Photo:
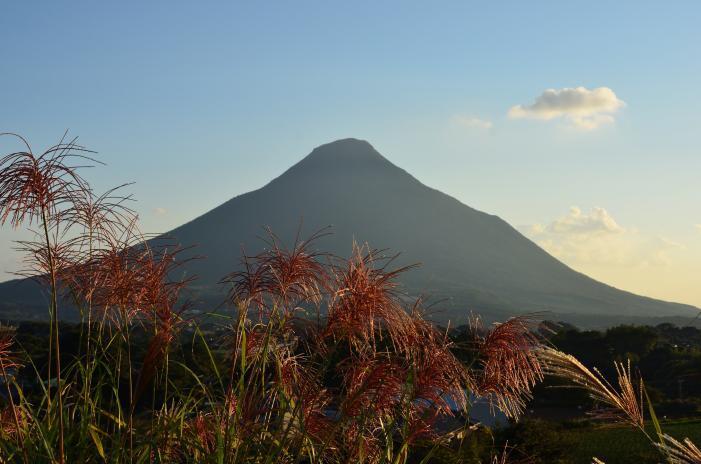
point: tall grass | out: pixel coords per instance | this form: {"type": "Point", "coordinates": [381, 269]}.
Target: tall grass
{"type": "Point", "coordinates": [317, 359]}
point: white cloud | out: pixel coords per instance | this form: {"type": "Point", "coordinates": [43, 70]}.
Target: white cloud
{"type": "Point", "coordinates": [598, 220]}
{"type": "Point", "coordinates": [472, 122]}
{"type": "Point", "coordinates": [698, 227]}
{"type": "Point", "coordinates": [595, 238]}
{"type": "Point", "coordinates": [580, 107]}
{"type": "Point", "coordinates": [160, 211]}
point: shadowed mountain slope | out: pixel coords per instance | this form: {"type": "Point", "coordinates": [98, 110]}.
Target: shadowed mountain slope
{"type": "Point", "coordinates": [475, 259]}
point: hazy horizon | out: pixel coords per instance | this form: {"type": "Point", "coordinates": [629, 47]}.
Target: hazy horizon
{"type": "Point", "coordinates": [576, 126]}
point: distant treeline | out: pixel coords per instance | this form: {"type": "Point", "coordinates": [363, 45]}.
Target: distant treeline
{"type": "Point", "coordinates": [667, 356]}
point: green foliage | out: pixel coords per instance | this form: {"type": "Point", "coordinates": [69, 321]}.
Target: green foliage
{"type": "Point", "coordinates": [626, 340]}
{"type": "Point", "coordinates": [477, 447]}
{"type": "Point", "coordinates": [542, 441]}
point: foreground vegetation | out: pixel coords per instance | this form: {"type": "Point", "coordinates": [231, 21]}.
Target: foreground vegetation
{"type": "Point", "coordinates": [319, 359]}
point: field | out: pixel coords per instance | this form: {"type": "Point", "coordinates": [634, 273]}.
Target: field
{"type": "Point", "coordinates": [619, 445]}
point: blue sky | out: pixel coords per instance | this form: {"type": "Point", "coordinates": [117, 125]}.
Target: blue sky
{"type": "Point", "coordinates": [199, 101]}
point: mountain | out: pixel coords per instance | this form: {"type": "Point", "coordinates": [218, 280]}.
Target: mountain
{"type": "Point", "coordinates": [470, 260]}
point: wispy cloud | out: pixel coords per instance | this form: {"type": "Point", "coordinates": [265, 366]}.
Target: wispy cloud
{"type": "Point", "coordinates": [472, 122]}
{"type": "Point", "coordinates": [580, 107]}
{"type": "Point", "coordinates": [596, 238]}
{"type": "Point", "coordinates": [160, 211]}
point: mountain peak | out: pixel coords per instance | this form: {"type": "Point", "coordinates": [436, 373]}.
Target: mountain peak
{"type": "Point", "coordinates": [350, 150]}
{"type": "Point", "coordinates": [344, 156]}
{"type": "Point", "coordinates": [350, 142]}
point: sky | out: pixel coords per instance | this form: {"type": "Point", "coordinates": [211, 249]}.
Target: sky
{"type": "Point", "coordinates": [576, 123]}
